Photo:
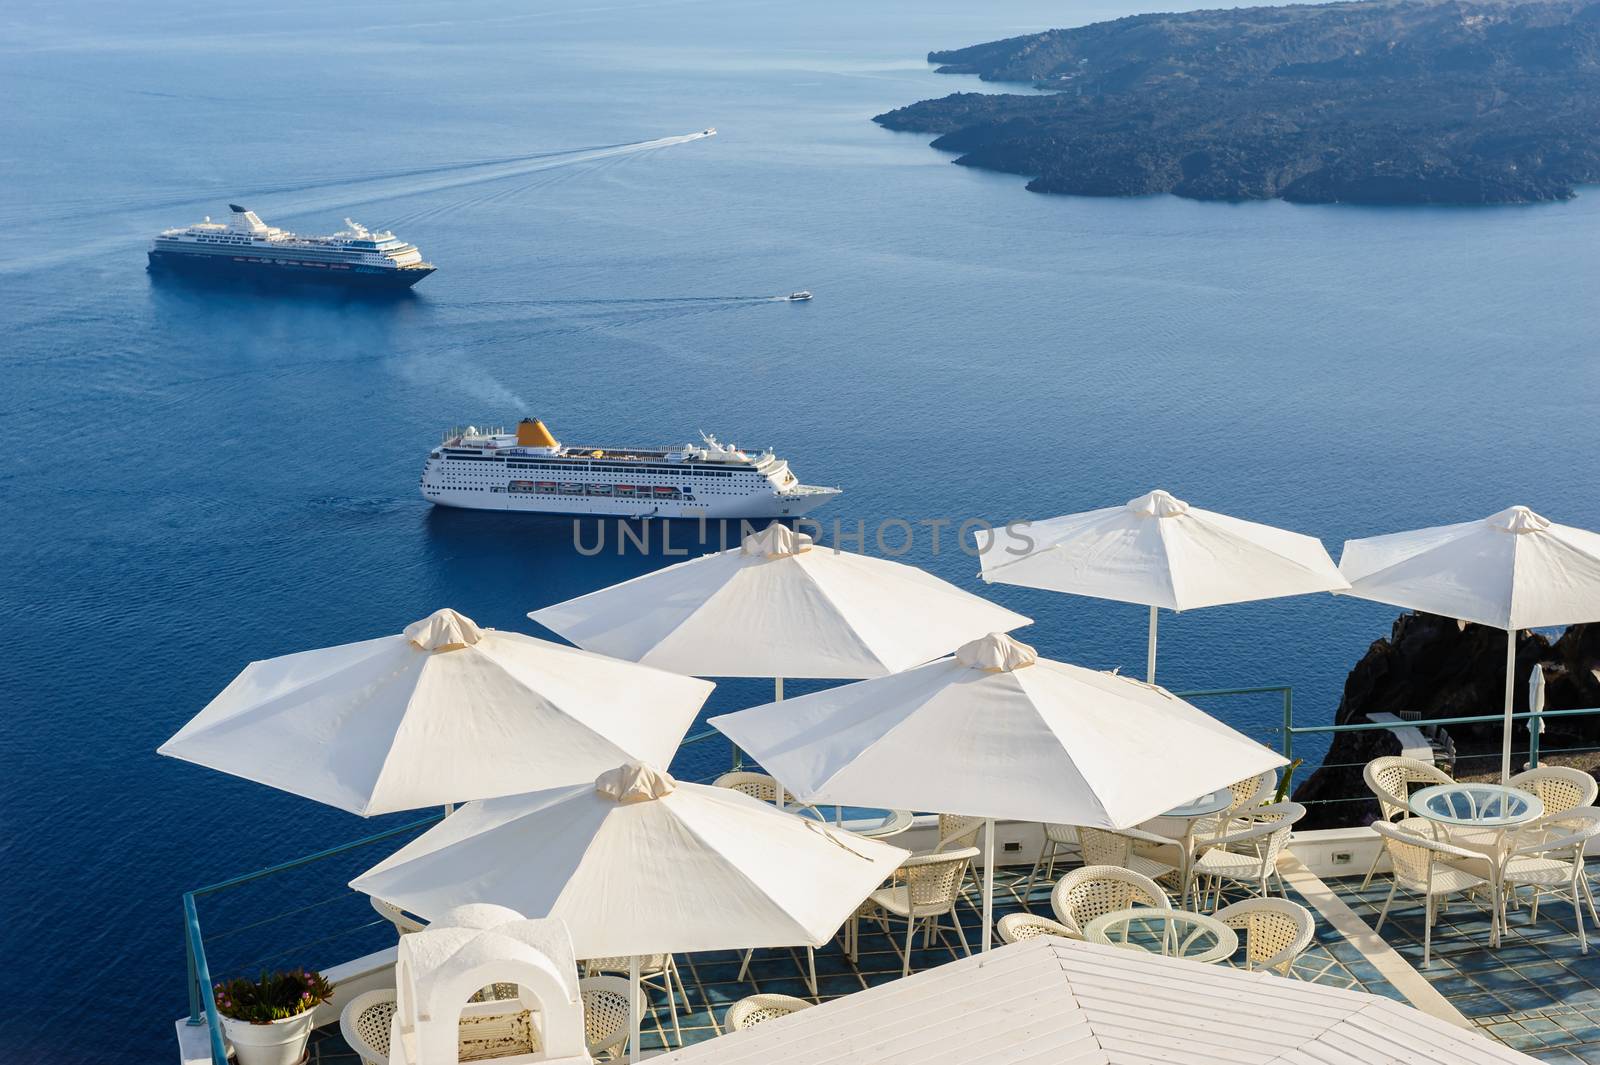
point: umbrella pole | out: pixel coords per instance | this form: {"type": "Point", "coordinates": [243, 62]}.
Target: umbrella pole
{"type": "Point", "coordinates": [633, 1008]}
{"type": "Point", "coordinates": [1511, 672]}
{"type": "Point", "coordinates": [1150, 655]}
{"type": "Point", "coordinates": [777, 697]}
{"type": "Point", "coordinates": [988, 882]}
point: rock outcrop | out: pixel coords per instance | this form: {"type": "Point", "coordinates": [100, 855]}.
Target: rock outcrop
{"type": "Point", "coordinates": [1438, 668]}
{"type": "Point", "coordinates": [1376, 102]}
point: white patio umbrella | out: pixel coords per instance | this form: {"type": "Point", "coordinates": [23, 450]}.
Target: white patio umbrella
{"type": "Point", "coordinates": [1160, 551]}
{"type": "Point", "coordinates": [637, 863]}
{"type": "Point", "coordinates": [997, 732]}
{"type": "Point", "coordinates": [1513, 570]}
{"type": "Point", "coordinates": [776, 606]}
{"type": "Point", "coordinates": [444, 712]}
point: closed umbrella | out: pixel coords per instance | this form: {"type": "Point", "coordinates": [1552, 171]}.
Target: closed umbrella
{"type": "Point", "coordinates": [637, 863]}
{"type": "Point", "coordinates": [1513, 570]}
{"type": "Point", "coordinates": [444, 712]}
{"type": "Point", "coordinates": [997, 732]}
{"type": "Point", "coordinates": [1159, 551]}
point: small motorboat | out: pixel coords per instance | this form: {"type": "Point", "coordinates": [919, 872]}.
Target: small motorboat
{"type": "Point", "coordinates": [801, 295]}
{"type": "Point", "coordinates": [709, 131]}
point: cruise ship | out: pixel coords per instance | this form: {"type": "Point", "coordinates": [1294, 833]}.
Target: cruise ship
{"type": "Point", "coordinates": [246, 247]}
{"type": "Point", "coordinates": [529, 469]}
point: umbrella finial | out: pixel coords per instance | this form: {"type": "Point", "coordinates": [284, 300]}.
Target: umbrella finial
{"type": "Point", "coordinates": [1519, 520]}
{"type": "Point", "coordinates": [443, 630]}
{"type": "Point", "coordinates": [634, 782]}
{"type": "Point", "coordinates": [996, 653]}
{"type": "Point", "coordinates": [1158, 504]}
{"type": "Point", "coordinates": [776, 541]}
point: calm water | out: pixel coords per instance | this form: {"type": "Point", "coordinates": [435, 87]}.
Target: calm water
{"type": "Point", "coordinates": [193, 480]}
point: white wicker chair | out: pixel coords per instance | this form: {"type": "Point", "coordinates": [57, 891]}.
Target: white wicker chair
{"type": "Point", "coordinates": [1101, 847]}
{"type": "Point", "coordinates": [756, 785]}
{"type": "Point", "coordinates": [1560, 788]}
{"type": "Point", "coordinates": [926, 889]}
{"type": "Point", "coordinates": [1015, 927]}
{"type": "Point", "coordinates": [1390, 779]}
{"type": "Point", "coordinates": [1433, 869]}
{"type": "Point", "coordinates": [1252, 792]}
{"type": "Point", "coordinates": [1096, 890]}
{"type": "Point", "coordinates": [364, 1022]}
{"type": "Point", "coordinates": [1058, 839]}
{"type": "Point", "coordinates": [957, 831]}
{"type": "Point", "coordinates": [1248, 852]}
{"type": "Point", "coordinates": [605, 1015]}
{"type": "Point", "coordinates": [657, 972]}
{"type": "Point", "coordinates": [1550, 859]}
{"type": "Point", "coordinates": [757, 1009]}
{"type": "Point", "coordinates": [1276, 932]}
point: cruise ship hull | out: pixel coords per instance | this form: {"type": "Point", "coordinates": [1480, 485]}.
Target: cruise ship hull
{"type": "Point", "coordinates": [274, 272]}
{"type": "Point", "coordinates": [785, 505]}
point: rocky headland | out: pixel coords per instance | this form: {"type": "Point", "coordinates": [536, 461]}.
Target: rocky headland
{"type": "Point", "coordinates": [1382, 102]}
{"type": "Point", "coordinates": [1437, 668]}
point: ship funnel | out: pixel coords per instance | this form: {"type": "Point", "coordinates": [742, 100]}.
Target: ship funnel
{"type": "Point", "coordinates": [531, 432]}
{"type": "Point", "coordinates": [236, 209]}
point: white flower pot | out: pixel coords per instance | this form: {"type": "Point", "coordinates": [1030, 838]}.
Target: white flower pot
{"type": "Point", "coordinates": [280, 1042]}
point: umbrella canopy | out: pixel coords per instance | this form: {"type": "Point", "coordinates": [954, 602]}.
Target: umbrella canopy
{"type": "Point", "coordinates": [444, 712]}
{"type": "Point", "coordinates": [1512, 570]}
{"type": "Point", "coordinates": [637, 863]}
{"type": "Point", "coordinates": [1071, 1003]}
{"type": "Point", "coordinates": [1159, 551]}
{"type": "Point", "coordinates": [995, 731]}
{"type": "Point", "coordinates": [776, 606]}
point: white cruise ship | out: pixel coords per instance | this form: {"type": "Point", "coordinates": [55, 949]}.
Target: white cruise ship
{"type": "Point", "coordinates": [246, 247]}
{"type": "Point", "coordinates": [530, 470]}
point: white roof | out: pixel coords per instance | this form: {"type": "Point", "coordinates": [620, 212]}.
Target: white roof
{"type": "Point", "coordinates": [996, 731]}
{"type": "Point", "coordinates": [637, 863]}
{"type": "Point", "coordinates": [776, 606]}
{"type": "Point", "coordinates": [441, 713]}
{"type": "Point", "coordinates": [1159, 551]}
{"type": "Point", "coordinates": [1049, 1001]}
{"type": "Point", "coordinates": [1511, 570]}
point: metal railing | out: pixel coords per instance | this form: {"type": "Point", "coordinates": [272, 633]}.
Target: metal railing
{"type": "Point", "coordinates": [202, 999]}
{"type": "Point", "coordinates": [1535, 720]}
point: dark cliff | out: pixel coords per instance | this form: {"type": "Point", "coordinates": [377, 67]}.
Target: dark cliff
{"type": "Point", "coordinates": [1392, 101]}
{"type": "Point", "coordinates": [1440, 669]}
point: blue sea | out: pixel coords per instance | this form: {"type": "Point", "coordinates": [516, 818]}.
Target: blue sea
{"type": "Point", "coordinates": [193, 479]}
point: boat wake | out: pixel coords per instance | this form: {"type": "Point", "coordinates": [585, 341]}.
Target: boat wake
{"type": "Point", "coordinates": [327, 194]}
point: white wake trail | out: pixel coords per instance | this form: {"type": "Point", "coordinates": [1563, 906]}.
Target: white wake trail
{"type": "Point", "coordinates": [332, 195]}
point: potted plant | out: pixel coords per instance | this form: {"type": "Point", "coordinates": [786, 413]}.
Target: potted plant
{"type": "Point", "coordinates": [268, 1020]}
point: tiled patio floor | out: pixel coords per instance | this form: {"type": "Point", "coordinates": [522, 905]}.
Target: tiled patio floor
{"type": "Point", "coordinates": [1538, 993]}
{"type": "Point", "coordinates": [711, 979]}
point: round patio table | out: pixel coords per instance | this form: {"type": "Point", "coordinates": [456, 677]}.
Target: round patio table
{"type": "Point", "coordinates": [1487, 812]}
{"type": "Point", "coordinates": [868, 822]}
{"type": "Point", "coordinates": [1172, 933]}
{"type": "Point", "coordinates": [1190, 813]}
{"type": "Point", "coordinates": [1477, 805]}
{"type": "Point", "coordinates": [1212, 803]}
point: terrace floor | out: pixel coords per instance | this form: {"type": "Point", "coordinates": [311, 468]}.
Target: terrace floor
{"type": "Point", "coordinates": [711, 979]}
{"type": "Point", "coordinates": [1537, 993]}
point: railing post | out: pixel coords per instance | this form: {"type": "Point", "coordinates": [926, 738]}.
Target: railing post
{"type": "Point", "coordinates": [1288, 724]}
{"type": "Point", "coordinates": [194, 980]}
{"type": "Point", "coordinates": [202, 972]}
